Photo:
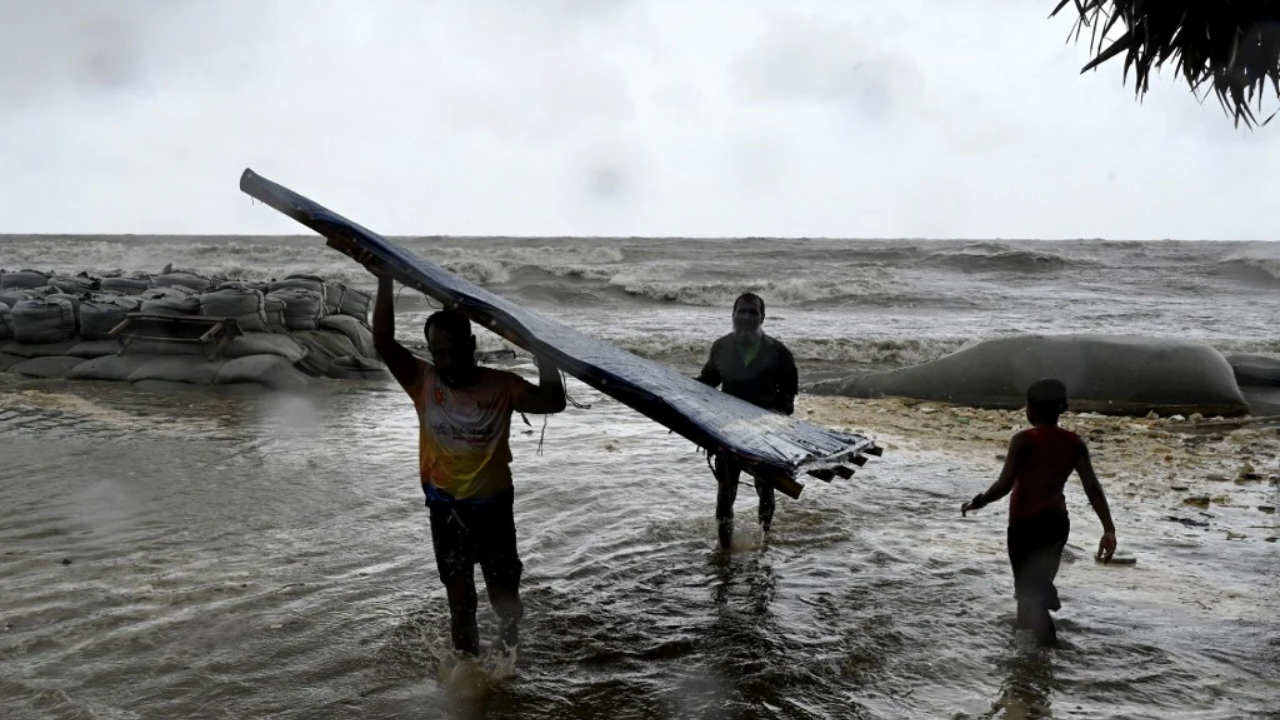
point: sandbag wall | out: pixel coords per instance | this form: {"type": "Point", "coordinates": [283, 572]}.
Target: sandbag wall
{"type": "Point", "coordinates": [58, 326]}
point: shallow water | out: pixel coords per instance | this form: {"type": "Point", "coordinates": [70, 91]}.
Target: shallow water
{"type": "Point", "coordinates": [270, 557]}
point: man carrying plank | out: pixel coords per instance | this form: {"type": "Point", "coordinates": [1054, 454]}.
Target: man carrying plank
{"type": "Point", "coordinates": [464, 415]}
{"type": "Point", "coordinates": [757, 368]}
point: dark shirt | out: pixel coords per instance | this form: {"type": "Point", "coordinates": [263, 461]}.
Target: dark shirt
{"type": "Point", "coordinates": [770, 381]}
{"type": "Point", "coordinates": [1048, 460]}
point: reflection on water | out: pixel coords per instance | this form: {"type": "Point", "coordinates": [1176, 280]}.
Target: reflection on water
{"type": "Point", "coordinates": [1025, 693]}
{"type": "Point", "coordinates": [252, 557]}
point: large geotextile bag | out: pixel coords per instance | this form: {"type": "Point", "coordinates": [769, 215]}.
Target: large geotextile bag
{"type": "Point", "coordinates": [245, 305]}
{"type": "Point", "coordinates": [44, 320]}
{"type": "Point", "coordinates": [171, 300]}
{"type": "Point", "coordinates": [99, 315]}
{"type": "Point", "coordinates": [124, 285]}
{"type": "Point", "coordinates": [356, 304]}
{"type": "Point", "coordinates": [74, 284]}
{"type": "Point", "coordinates": [302, 308]}
{"type": "Point", "coordinates": [6, 323]}
{"type": "Point", "coordinates": [191, 281]}
{"type": "Point", "coordinates": [23, 280]}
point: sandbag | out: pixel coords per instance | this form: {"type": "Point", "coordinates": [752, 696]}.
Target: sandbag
{"type": "Point", "coordinates": [171, 300]}
{"type": "Point", "coordinates": [323, 347]}
{"type": "Point", "coordinates": [270, 371]}
{"type": "Point", "coordinates": [333, 293]}
{"type": "Point", "coordinates": [6, 323]}
{"type": "Point", "coordinates": [356, 332]}
{"type": "Point", "coordinates": [273, 308]}
{"type": "Point", "coordinates": [75, 301]}
{"type": "Point", "coordinates": [1110, 374]}
{"type": "Point", "coordinates": [101, 314]}
{"type": "Point", "coordinates": [349, 367]}
{"type": "Point", "coordinates": [23, 280]}
{"type": "Point", "coordinates": [52, 368]}
{"type": "Point", "coordinates": [7, 361]}
{"type": "Point", "coordinates": [94, 348]}
{"type": "Point", "coordinates": [36, 350]}
{"type": "Point", "coordinates": [356, 304]}
{"type": "Point", "coordinates": [43, 321]}
{"type": "Point", "coordinates": [117, 368]}
{"type": "Point", "coordinates": [190, 281]}
{"type": "Point", "coordinates": [244, 305]}
{"type": "Point", "coordinates": [248, 344]}
{"type": "Point", "coordinates": [314, 283]}
{"type": "Point", "coordinates": [262, 287]}
{"type": "Point", "coordinates": [190, 369]}
{"type": "Point", "coordinates": [125, 286]}
{"type": "Point", "coordinates": [74, 284]}
{"type": "Point", "coordinates": [13, 297]}
{"type": "Point", "coordinates": [302, 308]}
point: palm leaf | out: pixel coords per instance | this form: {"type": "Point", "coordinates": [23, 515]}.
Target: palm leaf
{"type": "Point", "coordinates": [1229, 47]}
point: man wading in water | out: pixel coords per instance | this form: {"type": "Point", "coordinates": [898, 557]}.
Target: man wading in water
{"type": "Point", "coordinates": [1036, 467]}
{"type": "Point", "coordinates": [464, 416]}
{"type": "Point", "coordinates": [754, 367]}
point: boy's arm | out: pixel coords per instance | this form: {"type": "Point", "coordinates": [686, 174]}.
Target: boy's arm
{"type": "Point", "coordinates": [1004, 483]}
{"type": "Point", "coordinates": [547, 396]}
{"type": "Point", "coordinates": [1098, 499]}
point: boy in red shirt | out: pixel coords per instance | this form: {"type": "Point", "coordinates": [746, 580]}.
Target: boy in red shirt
{"type": "Point", "coordinates": [1036, 467]}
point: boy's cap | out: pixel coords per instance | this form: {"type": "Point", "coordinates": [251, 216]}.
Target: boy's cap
{"type": "Point", "coordinates": [1047, 391]}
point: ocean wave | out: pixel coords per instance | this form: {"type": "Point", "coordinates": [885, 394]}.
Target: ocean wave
{"type": "Point", "coordinates": [1254, 268]}
{"type": "Point", "coordinates": [849, 353]}
{"type": "Point", "coordinates": [993, 257]}
{"type": "Point", "coordinates": [655, 282]}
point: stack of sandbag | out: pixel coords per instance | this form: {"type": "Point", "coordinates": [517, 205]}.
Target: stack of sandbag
{"type": "Point", "coordinates": [23, 280]}
{"type": "Point", "coordinates": [171, 300]}
{"type": "Point", "coordinates": [124, 285]}
{"type": "Point", "coordinates": [355, 303]}
{"type": "Point", "coordinates": [6, 323]}
{"type": "Point", "coordinates": [190, 281]}
{"type": "Point", "coordinates": [44, 320]}
{"type": "Point", "coordinates": [243, 304]}
{"type": "Point", "coordinates": [303, 308]}
{"type": "Point", "coordinates": [103, 312]}
{"type": "Point", "coordinates": [74, 284]}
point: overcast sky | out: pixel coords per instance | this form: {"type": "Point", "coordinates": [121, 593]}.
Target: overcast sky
{"type": "Point", "coordinates": [838, 118]}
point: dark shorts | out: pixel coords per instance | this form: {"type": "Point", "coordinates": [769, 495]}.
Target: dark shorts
{"type": "Point", "coordinates": [466, 533]}
{"type": "Point", "coordinates": [1035, 551]}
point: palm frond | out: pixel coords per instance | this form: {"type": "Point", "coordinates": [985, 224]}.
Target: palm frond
{"type": "Point", "coordinates": [1230, 47]}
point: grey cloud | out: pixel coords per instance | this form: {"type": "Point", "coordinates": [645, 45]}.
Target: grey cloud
{"type": "Point", "coordinates": [83, 48]}
{"type": "Point", "coordinates": [819, 59]}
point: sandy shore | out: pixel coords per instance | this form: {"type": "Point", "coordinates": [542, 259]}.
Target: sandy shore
{"type": "Point", "coordinates": [1211, 473]}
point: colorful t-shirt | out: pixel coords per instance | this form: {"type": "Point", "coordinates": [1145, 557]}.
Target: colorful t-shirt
{"type": "Point", "coordinates": [464, 433]}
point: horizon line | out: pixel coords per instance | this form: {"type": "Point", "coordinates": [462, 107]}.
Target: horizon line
{"type": "Point", "coordinates": [820, 238]}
